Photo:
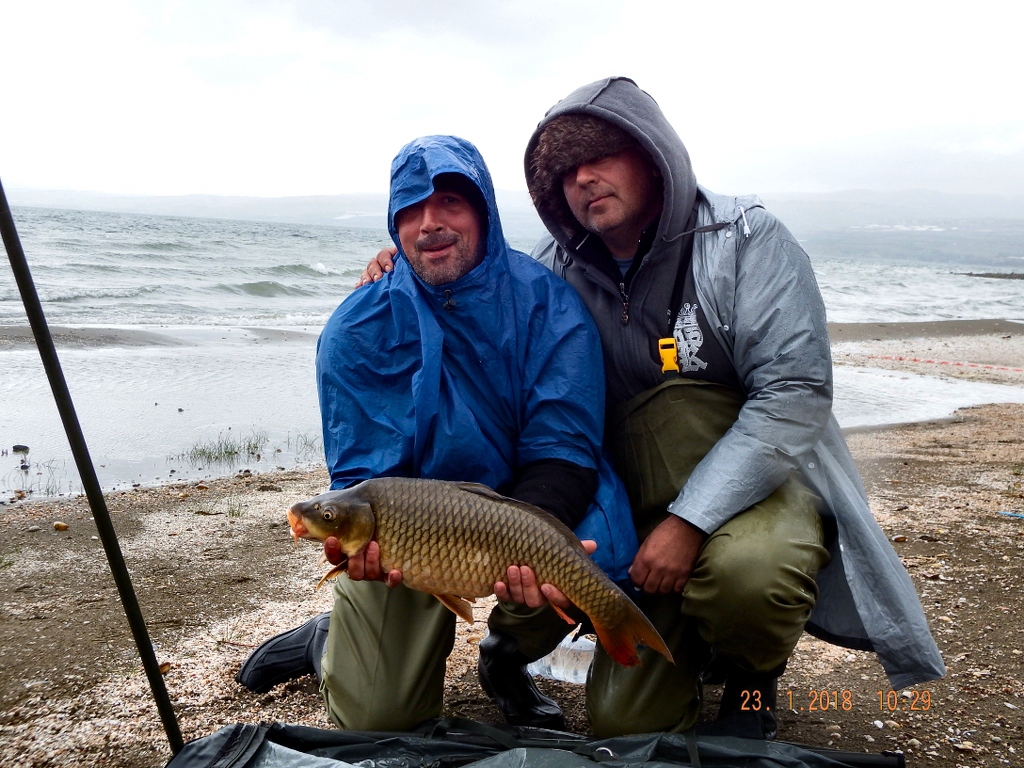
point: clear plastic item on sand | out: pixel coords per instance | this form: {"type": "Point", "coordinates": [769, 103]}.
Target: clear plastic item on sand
{"type": "Point", "coordinates": [569, 662]}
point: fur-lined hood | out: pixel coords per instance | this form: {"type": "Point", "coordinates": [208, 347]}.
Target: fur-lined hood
{"type": "Point", "coordinates": [620, 102]}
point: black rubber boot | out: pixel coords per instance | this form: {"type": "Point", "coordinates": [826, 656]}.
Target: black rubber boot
{"type": "Point", "coordinates": [503, 676]}
{"type": "Point", "coordinates": [717, 670]}
{"type": "Point", "coordinates": [749, 702]}
{"type": "Point", "coordinates": [284, 657]}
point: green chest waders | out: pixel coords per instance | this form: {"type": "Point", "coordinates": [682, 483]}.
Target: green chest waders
{"type": "Point", "coordinates": [752, 589]}
{"type": "Point", "coordinates": [657, 438]}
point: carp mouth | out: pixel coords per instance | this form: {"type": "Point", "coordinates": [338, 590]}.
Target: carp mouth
{"type": "Point", "coordinates": [299, 529]}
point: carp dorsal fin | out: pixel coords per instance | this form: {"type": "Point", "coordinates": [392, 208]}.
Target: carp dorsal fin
{"type": "Point", "coordinates": [458, 606]}
{"type": "Point", "coordinates": [483, 490]}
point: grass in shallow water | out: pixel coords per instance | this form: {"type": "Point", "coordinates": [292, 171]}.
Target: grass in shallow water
{"type": "Point", "coordinates": [226, 449]}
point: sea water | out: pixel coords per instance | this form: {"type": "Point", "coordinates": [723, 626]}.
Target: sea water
{"type": "Point", "coordinates": [238, 307]}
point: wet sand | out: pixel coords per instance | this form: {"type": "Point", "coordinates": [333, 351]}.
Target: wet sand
{"type": "Point", "coordinates": [79, 337]}
{"type": "Point", "coordinates": [94, 337]}
{"type": "Point", "coordinates": [838, 332]}
{"type": "Point", "coordinates": [969, 350]}
{"type": "Point", "coordinates": [841, 332]}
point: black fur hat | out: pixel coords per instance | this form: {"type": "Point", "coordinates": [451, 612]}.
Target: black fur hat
{"type": "Point", "coordinates": [565, 143]}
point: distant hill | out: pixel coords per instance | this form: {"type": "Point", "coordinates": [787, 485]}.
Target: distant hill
{"type": "Point", "coordinates": [805, 214]}
{"type": "Point", "coordinates": [367, 211]}
{"type": "Point", "coordinates": [861, 224]}
{"type": "Point", "coordinates": [916, 225]}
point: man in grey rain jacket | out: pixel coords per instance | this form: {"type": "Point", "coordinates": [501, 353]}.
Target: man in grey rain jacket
{"type": "Point", "coordinates": [753, 520]}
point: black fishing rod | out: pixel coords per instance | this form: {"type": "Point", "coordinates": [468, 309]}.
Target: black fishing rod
{"type": "Point", "coordinates": [86, 470]}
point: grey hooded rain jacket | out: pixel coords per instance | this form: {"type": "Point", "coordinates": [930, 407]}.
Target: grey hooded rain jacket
{"type": "Point", "coordinates": [755, 285]}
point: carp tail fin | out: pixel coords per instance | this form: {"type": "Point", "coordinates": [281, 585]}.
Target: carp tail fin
{"type": "Point", "coordinates": [620, 641]}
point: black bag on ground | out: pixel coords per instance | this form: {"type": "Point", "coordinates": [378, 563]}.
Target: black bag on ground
{"type": "Point", "coordinates": [453, 743]}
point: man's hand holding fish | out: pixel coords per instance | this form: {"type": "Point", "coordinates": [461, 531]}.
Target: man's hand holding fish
{"type": "Point", "coordinates": [520, 585]}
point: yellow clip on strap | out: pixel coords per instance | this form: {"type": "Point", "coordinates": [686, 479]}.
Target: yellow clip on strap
{"type": "Point", "coordinates": [669, 355]}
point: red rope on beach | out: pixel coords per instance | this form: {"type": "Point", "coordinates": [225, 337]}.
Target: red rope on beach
{"type": "Point", "coordinates": [947, 362]}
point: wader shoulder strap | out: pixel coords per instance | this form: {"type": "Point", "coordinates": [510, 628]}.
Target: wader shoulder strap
{"type": "Point", "coordinates": [677, 287]}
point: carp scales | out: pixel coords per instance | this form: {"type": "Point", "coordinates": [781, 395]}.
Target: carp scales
{"type": "Point", "coordinates": [455, 540]}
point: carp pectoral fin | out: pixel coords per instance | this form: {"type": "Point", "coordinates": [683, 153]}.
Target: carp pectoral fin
{"type": "Point", "coordinates": [620, 642]}
{"type": "Point", "coordinates": [458, 606]}
{"type": "Point", "coordinates": [335, 571]}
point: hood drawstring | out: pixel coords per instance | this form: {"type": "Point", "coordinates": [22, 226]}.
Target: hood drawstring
{"type": "Point", "coordinates": [746, 226]}
{"type": "Point", "coordinates": [698, 231]}
{"type": "Point", "coordinates": [718, 225]}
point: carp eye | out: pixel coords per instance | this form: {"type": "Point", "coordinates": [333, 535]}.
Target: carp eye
{"type": "Point", "coordinates": [328, 515]}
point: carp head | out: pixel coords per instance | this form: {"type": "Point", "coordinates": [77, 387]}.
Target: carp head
{"type": "Point", "coordinates": [343, 514]}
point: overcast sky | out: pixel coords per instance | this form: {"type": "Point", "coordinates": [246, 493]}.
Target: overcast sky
{"type": "Point", "coordinates": [306, 97]}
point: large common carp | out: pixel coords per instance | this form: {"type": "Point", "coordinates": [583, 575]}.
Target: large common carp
{"type": "Point", "coordinates": [455, 540]}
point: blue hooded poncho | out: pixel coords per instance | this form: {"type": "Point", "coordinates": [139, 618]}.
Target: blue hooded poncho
{"type": "Point", "coordinates": [468, 380]}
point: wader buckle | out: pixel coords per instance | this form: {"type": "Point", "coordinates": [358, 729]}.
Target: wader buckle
{"type": "Point", "coordinates": [669, 355]}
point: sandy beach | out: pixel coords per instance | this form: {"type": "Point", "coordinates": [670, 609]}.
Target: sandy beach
{"type": "Point", "coordinates": [216, 574]}
{"type": "Point", "coordinates": [971, 350]}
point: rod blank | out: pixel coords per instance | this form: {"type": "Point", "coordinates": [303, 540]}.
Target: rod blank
{"type": "Point", "coordinates": [86, 470]}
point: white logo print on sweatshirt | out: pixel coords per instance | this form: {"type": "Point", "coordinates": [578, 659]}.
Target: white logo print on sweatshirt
{"type": "Point", "coordinates": [688, 339]}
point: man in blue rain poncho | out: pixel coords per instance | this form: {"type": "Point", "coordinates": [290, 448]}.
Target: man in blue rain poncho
{"type": "Point", "coordinates": [470, 362]}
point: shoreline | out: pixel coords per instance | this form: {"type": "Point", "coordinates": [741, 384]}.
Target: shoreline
{"type": "Point", "coordinates": [844, 332]}
{"type": "Point", "coordinates": [95, 337]}
{"type": "Point", "coordinates": [216, 573]}
{"type": "Point", "coordinates": [138, 336]}
{"type": "Point", "coordinates": [972, 351]}
{"type": "Point", "coordinates": [989, 351]}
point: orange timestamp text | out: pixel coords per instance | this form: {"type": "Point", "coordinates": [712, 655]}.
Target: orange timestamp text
{"type": "Point", "coordinates": [824, 699]}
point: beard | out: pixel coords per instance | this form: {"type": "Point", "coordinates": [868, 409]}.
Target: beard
{"type": "Point", "coordinates": [459, 262]}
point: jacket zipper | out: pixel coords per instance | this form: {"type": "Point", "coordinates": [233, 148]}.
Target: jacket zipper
{"type": "Point", "coordinates": [630, 342]}
{"type": "Point", "coordinates": [637, 367]}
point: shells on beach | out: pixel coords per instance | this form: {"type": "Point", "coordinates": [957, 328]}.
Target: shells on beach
{"type": "Point", "coordinates": [60, 526]}
{"type": "Point", "coordinates": [33, 528]}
